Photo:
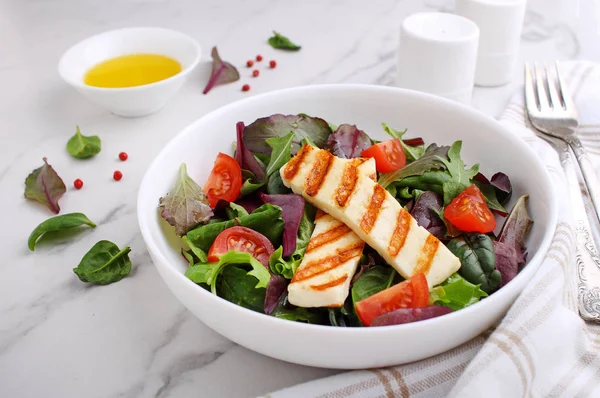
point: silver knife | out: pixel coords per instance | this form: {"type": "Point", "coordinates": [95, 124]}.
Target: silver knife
{"type": "Point", "coordinates": [587, 257]}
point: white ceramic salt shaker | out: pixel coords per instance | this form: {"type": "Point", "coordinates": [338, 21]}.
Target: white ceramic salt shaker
{"type": "Point", "coordinates": [437, 54]}
{"type": "Point", "coordinates": [500, 23]}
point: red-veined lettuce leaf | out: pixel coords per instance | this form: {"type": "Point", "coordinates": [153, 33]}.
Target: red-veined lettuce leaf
{"type": "Point", "coordinates": [244, 157]}
{"type": "Point", "coordinates": [409, 315]}
{"type": "Point", "coordinates": [45, 186]}
{"type": "Point", "coordinates": [292, 209]}
{"type": "Point", "coordinates": [347, 141]}
{"type": "Point", "coordinates": [222, 72]}
{"type": "Point", "coordinates": [275, 289]}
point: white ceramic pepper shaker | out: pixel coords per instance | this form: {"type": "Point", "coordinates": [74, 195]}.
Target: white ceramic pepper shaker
{"type": "Point", "coordinates": [500, 23]}
{"type": "Point", "coordinates": [437, 55]}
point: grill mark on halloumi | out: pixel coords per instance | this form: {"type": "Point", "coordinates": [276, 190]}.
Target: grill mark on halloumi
{"type": "Point", "coordinates": [329, 236]}
{"type": "Point", "coordinates": [370, 216]}
{"type": "Point", "coordinates": [315, 268]}
{"type": "Point", "coordinates": [318, 172]}
{"type": "Point", "coordinates": [400, 233]}
{"type": "Point", "coordinates": [329, 284]}
{"type": "Point", "coordinates": [427, 254]}
{"type": "Point", "coordinates": [348, 183]}
{"type": "Point", "coordinates": [292, 167]}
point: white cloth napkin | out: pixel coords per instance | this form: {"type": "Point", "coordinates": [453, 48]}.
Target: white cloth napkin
{"type": "Point", "coordinates": [542, 348]}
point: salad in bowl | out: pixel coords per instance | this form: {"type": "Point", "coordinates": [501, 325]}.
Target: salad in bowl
{"type": "Point", "coordinates": [319, 223]}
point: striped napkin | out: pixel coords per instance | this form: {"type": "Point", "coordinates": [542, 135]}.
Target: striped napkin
{"type": "Point", "coordinates": [542, 348]}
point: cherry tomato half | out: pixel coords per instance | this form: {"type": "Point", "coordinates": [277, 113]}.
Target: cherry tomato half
{"type": "Point", "coordinates": [225, 180]}
{"type": "Point", "coordinates": [389, 155]}
{"type": "Point", "coordinates": [470, 213]}
{"type": "Point", "coordinates": [242, 239]}
{"type": "Point", "coordinates": [412, 293]}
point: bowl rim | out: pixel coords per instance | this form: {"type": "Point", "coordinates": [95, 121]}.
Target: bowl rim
{"type": "Point", "coordinates": [79, 83]}
{"type": "Point", "coordinates": [535, 260]}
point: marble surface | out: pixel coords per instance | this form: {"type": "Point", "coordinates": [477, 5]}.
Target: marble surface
{"type": "Point", "coordinates": [62, 338]}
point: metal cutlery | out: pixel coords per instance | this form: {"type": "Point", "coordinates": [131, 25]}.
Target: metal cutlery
{"type": "Point", "coordinates": [554, 115]}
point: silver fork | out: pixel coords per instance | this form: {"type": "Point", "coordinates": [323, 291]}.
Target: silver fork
{"type": "Point", "coordinates": [553, 112]}
{"type": "Point", "coordinates": [555, 117]}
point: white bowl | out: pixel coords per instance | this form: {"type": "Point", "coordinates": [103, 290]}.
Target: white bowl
{"type": "Point", "coordinates": [130, 101]}
{"type": "Point", "coordinates": [433, 118]}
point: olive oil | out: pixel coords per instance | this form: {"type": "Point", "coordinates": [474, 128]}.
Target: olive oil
{"type": "Point", "coordinates": [131, 70]}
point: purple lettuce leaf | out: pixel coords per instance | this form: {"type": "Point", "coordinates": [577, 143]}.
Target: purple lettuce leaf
{"type": "Point", "coordinates": [373, 258]}
{"type": "Point", "coordinates": [275, 289]}
{"type": "Point", "coordinates": [408, 315]}
{"type": "Point", "coordinates": [222, 72]}
{"type": "Point", "coordinates": [250, 202]}
{"type": "Point", "coordinates": [426, 211]}
{"type": "Point", "coordinates": [347, 141]}
{"type": "Point", "coordinates": [244, 157]}
{"type": "Point", "coordinates": [185, 206]}
{"type": "Point", "coordinates": [501, 183]}
{"type": "Point", "coordinates": [510, 248]}
{"type": "Point", "coordinates": [45, 186]}
{"type": "Point", "coordinates": [292, 209]}
{"type": "Point", "coordinates": [278, 125]}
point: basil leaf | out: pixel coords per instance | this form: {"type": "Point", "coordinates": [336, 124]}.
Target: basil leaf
{"type": "Point", "coordinates": [266, 220]}
{"type": "Point", "coordinates": [82, 147]}
{"type": "Point", "coordinates": [185, 206]}
{"type": "Point", "coordinates": [478, 260]}
{"type": "Point", "coordinates": [45, 186]}
{"type": "Point", "coordinates": [280, 153]}
{"type": "Point", "coordinates": [283, 43]}
{"type": "Point", "coordinates": [456, 293]}
{"type": "Point", "coordinates": [208, 273]}
{"type": "Point", "coordinates": [238, 287]}
{"type": "Point", "coordinates": [429, 161]}
{"type": "Point", "coordinates": [104, 264]}
{"type": "Point", "coordinates": [58, 223]}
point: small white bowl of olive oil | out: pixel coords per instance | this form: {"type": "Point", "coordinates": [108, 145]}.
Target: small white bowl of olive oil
{"type": "Point", "coordinates": [132, 71]}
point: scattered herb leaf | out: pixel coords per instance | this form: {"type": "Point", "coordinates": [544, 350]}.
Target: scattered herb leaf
{"type": "Point", "coordinates": [58, 223]}
{"type": "Point", "coordinates": [283, 43]}
{"type": "Point", "coordinates": [104, 264]}
{"type": "Point", "coordinates": [45, 186]}
{"type": "Point", "coordinates": [82, 147]}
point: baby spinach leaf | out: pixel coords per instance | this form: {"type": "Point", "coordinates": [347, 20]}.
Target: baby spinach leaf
{"type": "Point", "coordinates": [456, 293]}
{"type": "Point", "coordinates": [104, 264]}
{"type": "Point", "coordinates": [186, 206]}
{"type": "Point", "coordinates": [239, 287]}
{"type": "Point", "coordinates": [373, 280]}
{"type": "Point", "coordinates": [429, 161]}
{"type": "Point", "coordinates": [285, 310]}
{"type": "Point", "coordinates": [82, 147]}
{"type": "Point", "coordinates": [412, 152]}
{"type": "Point", "coordinates": [278, 125]}
{"type": "Point", "coordinates": [209, 272]}
{"type": "Point", "coordinates": [275, 185]}
{"type": "Point", "coordinates": [283, 43]}
{"type": "Point", "coordinates": [58, 223]}
{"type": "Point", "coordinates": [45, 186]}
{"type": "Point", "coordinates": [460, 177]}
{"type": "Point", "coordinates": [222, 72]}
{"type": "Point", "coordinates": [280, 153]}
{"type": "Point", "coordinates": [266, 220]}
{"type": "Point", "coordinates": [478, 260]}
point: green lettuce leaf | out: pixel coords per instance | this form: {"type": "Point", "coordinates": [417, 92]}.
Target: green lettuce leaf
{"type": "Point", "coordinates": [460, 178]}
{"type": "Point", "coordinates": [429, 161]}
{"type": "Point", "coordinates": [456, 293]}
{"type": "Point", "coordinates": [412, 152]}
{"type": "Point", "coordinates": [208, 273]}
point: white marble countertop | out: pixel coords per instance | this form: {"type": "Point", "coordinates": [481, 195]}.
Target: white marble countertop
{"type": "Point", "coordinates": [62, 338]}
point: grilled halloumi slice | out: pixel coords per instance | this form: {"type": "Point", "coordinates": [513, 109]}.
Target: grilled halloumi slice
{"type": "Point", "coordinates": [335, 186]}
{"type": "Point", "coordinates": [331, 258]}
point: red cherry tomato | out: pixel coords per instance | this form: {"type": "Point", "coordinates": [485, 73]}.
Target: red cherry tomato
{"type": "Point", "coordinates": [412, 293]}
{"type": "Point", "coordinates": [389, 155]}
{"type": "Point", "coordinates": [242, 239]}
{"type": "Point", "coordinates": [470, 213]}
{"type": "Point", "coordinates": [225, 180]}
